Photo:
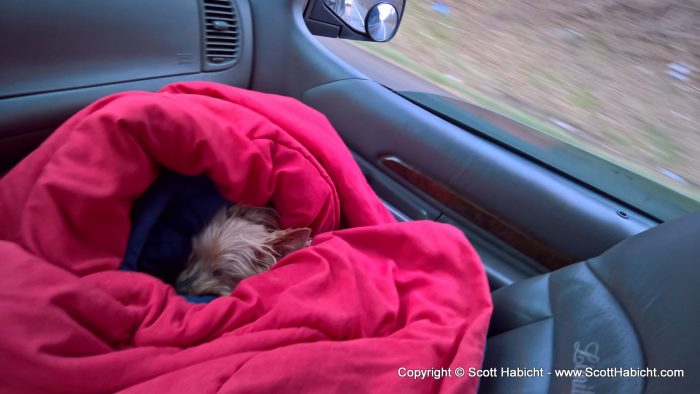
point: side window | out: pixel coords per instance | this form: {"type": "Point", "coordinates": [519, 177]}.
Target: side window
{"type": "Point", "coordinates": [618, 80]}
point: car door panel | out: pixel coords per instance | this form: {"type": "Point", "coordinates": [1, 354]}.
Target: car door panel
{"type": "Point", "coordinates": [559, 214]}
{"type": "Point", "coordinates": [396, 196]}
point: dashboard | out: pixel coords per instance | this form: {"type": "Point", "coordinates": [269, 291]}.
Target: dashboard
{"type": "Point", "coordinates": [58, 57]}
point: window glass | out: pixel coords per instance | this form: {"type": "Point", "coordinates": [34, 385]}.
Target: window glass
{"type": "Point", "coordinates": [619, 79]}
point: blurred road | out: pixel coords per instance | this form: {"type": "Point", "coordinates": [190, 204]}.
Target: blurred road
{"type": "Point", "coordinates": [388, 74]}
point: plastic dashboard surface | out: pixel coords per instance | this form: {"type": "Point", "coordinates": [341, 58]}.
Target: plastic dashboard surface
{"type": "Point", "coordinates": [57, 57]}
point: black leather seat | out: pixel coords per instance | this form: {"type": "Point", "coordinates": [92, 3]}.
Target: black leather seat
{"type": "Point", "coordinates": [636, 306]}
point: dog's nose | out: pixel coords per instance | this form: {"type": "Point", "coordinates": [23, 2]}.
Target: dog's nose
{"type": "Point", "coordinates": [182, 286]}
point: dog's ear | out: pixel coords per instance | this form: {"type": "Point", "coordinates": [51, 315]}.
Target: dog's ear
{"type": "Point", "coordinates": [287, 241]}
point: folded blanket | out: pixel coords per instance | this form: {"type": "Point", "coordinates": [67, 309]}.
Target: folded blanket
{"type": "Point", "coordinates": [368, 297]}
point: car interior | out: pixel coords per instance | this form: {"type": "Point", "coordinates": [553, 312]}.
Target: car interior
{"type": "Point", "coordinates": [579, 277]}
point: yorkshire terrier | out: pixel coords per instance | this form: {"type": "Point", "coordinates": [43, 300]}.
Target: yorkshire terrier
{"type": "Point", "coordinates": [238, 242]}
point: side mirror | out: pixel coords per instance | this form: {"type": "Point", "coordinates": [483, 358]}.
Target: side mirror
{"type": "Point", "coordinates": [365, 20]}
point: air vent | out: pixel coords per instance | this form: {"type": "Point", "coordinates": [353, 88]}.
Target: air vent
{"type": "Point", "coordinates": [221, 34]}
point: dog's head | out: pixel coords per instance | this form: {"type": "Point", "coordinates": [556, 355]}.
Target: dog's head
{"type": "Point", "coordinates": [238, 242]}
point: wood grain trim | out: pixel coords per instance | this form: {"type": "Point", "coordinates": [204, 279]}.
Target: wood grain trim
{"type": "Point", "coordinates": [507, 232]}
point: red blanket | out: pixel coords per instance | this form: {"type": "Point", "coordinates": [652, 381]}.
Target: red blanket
{"type": "Point", "coordinates": [368, 298]}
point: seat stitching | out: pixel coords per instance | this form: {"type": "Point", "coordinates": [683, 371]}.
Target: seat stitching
{"type": "Point", "coordinates": [626, 315]}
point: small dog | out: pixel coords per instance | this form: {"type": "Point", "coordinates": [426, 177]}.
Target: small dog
{"type": "Point", "coordinates": [238, 242]}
